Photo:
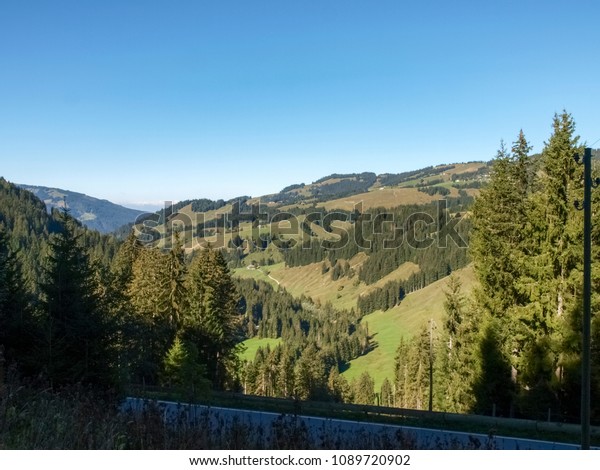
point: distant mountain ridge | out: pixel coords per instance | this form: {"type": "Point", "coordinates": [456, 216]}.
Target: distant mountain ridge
{"type": "Point", "coordinates": [96, 214]}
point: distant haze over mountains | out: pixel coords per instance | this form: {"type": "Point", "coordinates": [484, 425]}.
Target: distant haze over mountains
{"type": "Point", "coordinates": [150, 206]}
{"type": "Point", "coordinates": [387, 190]}
{"type": "Point", "coordinates": [96, 214]}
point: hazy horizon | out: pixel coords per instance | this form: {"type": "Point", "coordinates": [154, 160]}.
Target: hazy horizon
{"type": "Point", "coordinates": [154, 205]}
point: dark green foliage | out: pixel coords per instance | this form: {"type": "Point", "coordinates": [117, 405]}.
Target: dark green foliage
{"type": "Point", "coordinates": [29, 225]}
{"type": "Point", "coordinates": [457, 358]}
{"type": "Point", "coordinates": [204, 205]}
{"type": "Point", "coordinates": [339, 388]}
{"type": "Point", "coordinates": [412, 372]}
{"type": "Point", "coordinates": [322, 190]}
{"type": "Point", "coordinates": [388, 296]}
{"type": "Point", "coordinates": [291, 187]}
{"type": "Point", "coordinates": [77, 334]}
{"type": "Point", "coordinates": [527, 250]}
{"type": "Point", "coordinates": [349, 185]}
{"type": "Point", "coordinates": [16, 322]}
{"type": "Point", "coordinates": [318, 341]}
{"type": "Point", "coordinates": [211, 321]}
{"type": "Point", "coordinates": [364, 390]}
{"type": "Point", "coordinates": [387, 393]}
{"type": "Point", "coordinates": [183, 370]}
{"type": "Point", "coordinates": [433, 190]}
{"type": "Point", "coordinates": [493, 390]}
{"type": "Point", "coordinates": [396, 179]}
{"type": "Point", "coordinates": [391, 238]}
{"type": "Point", "coordinates": [167, 301]}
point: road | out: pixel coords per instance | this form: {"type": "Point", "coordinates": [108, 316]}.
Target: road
{"type": "Point", "coordinates": [336, 430]}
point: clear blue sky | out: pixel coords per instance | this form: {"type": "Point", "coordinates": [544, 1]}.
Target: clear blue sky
{"type": "Point", "coordinates": [138, 101]}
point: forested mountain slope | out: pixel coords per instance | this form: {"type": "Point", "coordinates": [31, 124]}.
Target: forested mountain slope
{"type": "Point", "coordinates": [96, 214]}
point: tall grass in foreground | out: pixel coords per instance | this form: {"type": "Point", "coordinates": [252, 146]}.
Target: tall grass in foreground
{"type": "Point", "coordinates": [78, 417]}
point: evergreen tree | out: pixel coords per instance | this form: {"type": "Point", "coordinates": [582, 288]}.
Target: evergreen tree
{"type": "Point", "coordinates": [175, 288]}
{"type": "Point", "coordinates": [212, 321]}
{"type": "Point", "coordinates": [151, 323]}
{"type": "Point", "coordinates": [285, 376]}
{"type": "Point", "coordinates": [338, 387]}
{"type": "Point", "coordinates": [387, 393]}
{"type": "Point", "coordinates": [16, 325]}
{"type": "Point", "coordinates": [497, 233]}
{"type": "Point", "coordinates": [122, 266]}
{"type": "Point", "coordinates": [182, 369]}
{"type": "Point", "coordinates": [554, 274]}
{"type": "Point", "coordinates": [364, 390]}
{"type": "Point", "coordinates": [310, 375]}
{"type": "Point", "coordinates": [527, 252]}
{"type": "Point", "coordinates": [457, 357]}
{"type": "Point", "coordinates": [77, 333]}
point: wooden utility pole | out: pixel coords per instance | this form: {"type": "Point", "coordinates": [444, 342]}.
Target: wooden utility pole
{"type": "Point", "coordinates": [587, 295]}
{"type": "Point", "coordinates": [586, 371]}
{"type": "Point", "coordinates": [431, 322]}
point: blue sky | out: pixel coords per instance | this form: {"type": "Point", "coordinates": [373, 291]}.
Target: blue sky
{"type": "Point", "coordinates": [147, 101]}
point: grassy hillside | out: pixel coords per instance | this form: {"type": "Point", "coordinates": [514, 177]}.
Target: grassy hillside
{"type": "Point", "coordinates": [386, 328]}
{"type": "Point", "coordinates": [334, 192]}
{"type": "Point", "coordinates": [382, 197]}
{"type": "Point", "coordinates": [405, 320]}
{"type": "Point", "coordinates": [312, 282]}
{"type": "Point", "coordinates": [322, 281]}
{"type": "Point", "coordinates": [250, 346]}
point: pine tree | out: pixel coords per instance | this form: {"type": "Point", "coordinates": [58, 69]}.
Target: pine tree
{"type": "Point", "coordinates": [183, 370]}
{"type": "Point", "coordinates": [364, 390]}
{"type": "Point", "coordinates": [212, 321]}
{"type": "Point", "coordinates": [457, 356]}
{"type": "Point", "coordinates": [177, 271]}
{"type": "Point", "coordinates": [310, 375]}
{"type": "Point", "coordinates": [387, 393]}
{"type": "Point", "coordinates": [501, 245]}
{"type": "Point", "coordinates": [527, 253]}
{"type": "Point", "coordinates": [497, 232]}
{"type": "Point", "coordinates": [16, 325]}
{"type": "Point", "coordinates": [285, 376]}
{"type": "Point", "coordinates": [122, 266]}
{"type": "Point", "coordinates": [150, 323]}
{"type": "Point", "coordinates": [77, 332]}
{"type": "Point", "coordinates": [553, 272]}
{"type": "Point", "coordinates": [338, 387]}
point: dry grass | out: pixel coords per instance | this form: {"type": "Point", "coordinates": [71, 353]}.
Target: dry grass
{"type": "Point", "coordinates": [84, 419]}
{"type": "Point", "coordinates": [382, 197]}
{"type": "Point", "coordinates": [310, 281]}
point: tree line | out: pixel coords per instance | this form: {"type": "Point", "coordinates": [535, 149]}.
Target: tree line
{"type": "Point", "coordinates": [513, 347]}
{"type": "Point", "coordinates": [110, 314]}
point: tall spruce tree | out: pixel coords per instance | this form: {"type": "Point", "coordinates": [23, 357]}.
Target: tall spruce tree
{"type": "Point", "coordinates": [211, 320]}
{"type": "Point", "coordinates": [553, 277]}
{"type": "Point", "coordinates": [77, 335]}
{"type": "Point", "coordinates": [457, 358]}
{"type": "Point", "coordinates": [15, 321]}
{"type": "Point", "coordinates": [527, 250]}
{"type": "Point", "coordinates": [501, 247]}
{"type": "Point", "coordinates": [364, 389]}
{"type": "Point", "coordinates": [147, 297]}
{"type": "Point", "coordinates": [497, 233]}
